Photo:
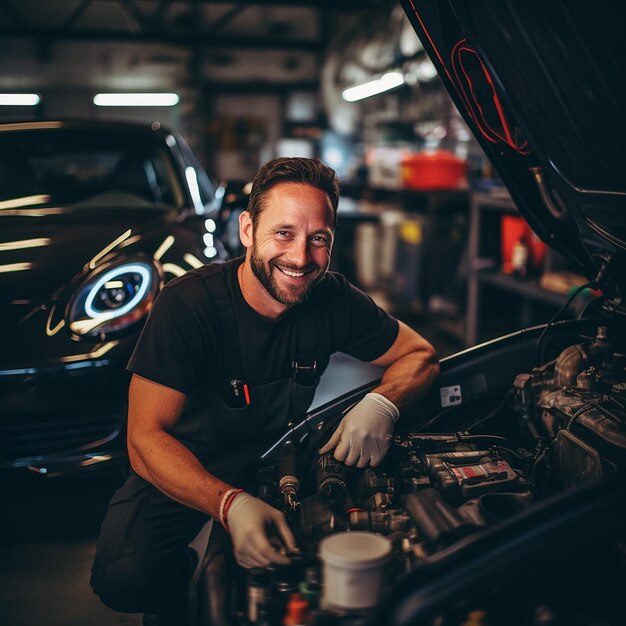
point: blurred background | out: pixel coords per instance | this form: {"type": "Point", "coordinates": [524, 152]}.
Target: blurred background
{"type": "Point", "coordinates": [425, 225]}
{"type": "Point", "coordinates": [346, 81]}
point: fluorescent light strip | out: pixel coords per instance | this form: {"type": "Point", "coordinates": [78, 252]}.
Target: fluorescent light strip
{"type": "Point", "coordinates": [19, 99]}
{"type": "Point", "coordinates": [15, 267]}
{"type": "Point", "coordinates": [16, 203]}
{"type": "Point", "coordinates": [24, 243]}
{"type": "Point", "coordinates": [387, 81]}
{"type": "Point", "coordinates": [136, 99]}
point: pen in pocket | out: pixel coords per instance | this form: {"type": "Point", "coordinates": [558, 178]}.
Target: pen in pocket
{"type": "Point", "coordinates": [240, 391]}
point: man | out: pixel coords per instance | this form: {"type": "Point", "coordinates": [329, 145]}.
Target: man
{"type": "Point", "coordinates": [229, 354]}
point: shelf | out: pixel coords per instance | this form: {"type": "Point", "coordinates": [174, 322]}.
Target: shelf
{"type": "Point", "coordinates": [453, 327]}
{"type": "Point", "coordinates": [527, 287]}
{"type": "Point", "coordinates": [533, 303]}
{"type": "Point", "coordinates": [498, 202]}
{"type": "Point", "coordinates": [411, 199]}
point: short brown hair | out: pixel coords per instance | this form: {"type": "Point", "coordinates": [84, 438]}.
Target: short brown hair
{"type": "Point", "coordinates": [293, 170]}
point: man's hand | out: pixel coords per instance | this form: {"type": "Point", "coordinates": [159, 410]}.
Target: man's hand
{"type": "Point", "coordinates": [248, 520]}
{"type": "Point", "coordinates": [364, 434]}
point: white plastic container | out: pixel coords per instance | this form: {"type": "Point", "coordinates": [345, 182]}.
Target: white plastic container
{"type": "Point", "coordinates": [353, 567]}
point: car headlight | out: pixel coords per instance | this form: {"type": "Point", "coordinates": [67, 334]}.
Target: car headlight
{"type": "Point", "coordinates": [113, 298]}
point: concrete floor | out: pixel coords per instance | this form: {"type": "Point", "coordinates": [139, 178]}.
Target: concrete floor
{"type": "Point", "coordinates": [48, 535]}
{"type": "Point", "coordinates": [48, 531]}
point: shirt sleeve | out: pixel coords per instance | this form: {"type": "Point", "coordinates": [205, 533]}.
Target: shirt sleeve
{"type": "Point", "coordinates": [366, 331]}
{"type": "Point", "coordinates": [176, 343]}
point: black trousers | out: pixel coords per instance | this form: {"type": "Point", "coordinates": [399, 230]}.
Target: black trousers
{"type": "Point", "coordinates": [142, 563]}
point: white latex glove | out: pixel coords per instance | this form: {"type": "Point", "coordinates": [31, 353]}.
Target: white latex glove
{"type": "Point", "coordinates": [364, 434]}
{"type": "Point", "coordinates": [249, 520]}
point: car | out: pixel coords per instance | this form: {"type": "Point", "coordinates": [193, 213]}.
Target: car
{"type": "Point", "coordinates": [502, 500]}
{"type": "Point", "coordinates": [95, 217]}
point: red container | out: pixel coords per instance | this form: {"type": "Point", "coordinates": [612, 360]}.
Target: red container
{"type": "Point", "coordinates": [515, 229]}
{"type": "Point", "coordinates": [433, 170]}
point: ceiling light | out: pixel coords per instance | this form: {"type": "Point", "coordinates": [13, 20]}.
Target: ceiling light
{"type": "Point", "coordinates": [387, 81]}
{"type": "Point", "coordinates": [426, 71]}
{"type": "Point", "coordinates": [136, 99]}
{"type": "Point", "coordinates": [19, 99]}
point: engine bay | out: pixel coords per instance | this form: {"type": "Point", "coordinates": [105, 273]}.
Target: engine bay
{"type": "Point", "coordinates": [560, 426]}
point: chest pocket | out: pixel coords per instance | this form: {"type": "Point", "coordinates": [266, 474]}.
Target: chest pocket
{"type": "Point", "coordinates": [219, 422]}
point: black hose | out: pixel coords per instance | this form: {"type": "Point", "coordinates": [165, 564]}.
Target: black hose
{"type": "Point", "coordinates": [496, 439]}
{"type": "Point", "coordinates": [502, 443]}
{"type": "Point", "coordinates": [428, 426]}
{"type": "Point", "coordinates": [507, 396]}
{"type": "Point", "coordinates": [590, 284]}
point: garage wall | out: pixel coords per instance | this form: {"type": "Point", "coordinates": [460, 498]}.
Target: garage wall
{"type": "Point", "coordinates": [243, 130]}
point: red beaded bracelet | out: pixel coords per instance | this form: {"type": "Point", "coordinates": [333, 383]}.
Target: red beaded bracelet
{"type": "Point", "coordinates": [225, 505]}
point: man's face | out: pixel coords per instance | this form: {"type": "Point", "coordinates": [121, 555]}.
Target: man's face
{"type": "Point", "coordinates": [292, 241]}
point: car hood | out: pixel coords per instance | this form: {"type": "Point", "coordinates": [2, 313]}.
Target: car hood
{"type": "Point", "coordinates": [541, 85]}
{"type": "Point", "coordinates": [39, 252]}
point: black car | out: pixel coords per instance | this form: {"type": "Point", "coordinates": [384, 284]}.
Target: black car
{"type": "Point", "coordinates": [502, 500]}
{"type": "Point", "coordinates": [94, 218]}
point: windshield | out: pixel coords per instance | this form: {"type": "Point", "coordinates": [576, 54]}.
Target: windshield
{"type": "Point", "coordinates": [85, 169]}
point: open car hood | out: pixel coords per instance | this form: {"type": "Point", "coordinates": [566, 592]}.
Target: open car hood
{"type": "Point", "coordinates": [541, 85]}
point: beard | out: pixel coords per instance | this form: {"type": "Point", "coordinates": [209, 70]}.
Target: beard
{"type": "Point", "coordinates": [289, 295]}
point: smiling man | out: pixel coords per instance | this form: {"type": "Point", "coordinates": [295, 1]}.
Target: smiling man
{"type": "Point", "coordinates": [229, 355]}
{"type": "Point", "coordinates": [288, 249]}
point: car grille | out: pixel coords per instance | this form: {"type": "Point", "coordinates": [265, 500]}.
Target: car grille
{"type": "Point", "coordinates": [39, 435]}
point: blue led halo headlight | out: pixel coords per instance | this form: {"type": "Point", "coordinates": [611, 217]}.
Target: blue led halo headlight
{"type": "Point", "coordinates": [113, 298]}
{"type": "Point", "coordinates": [134, 291]}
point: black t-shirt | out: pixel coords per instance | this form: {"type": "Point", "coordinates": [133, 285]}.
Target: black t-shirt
{"type": "Point", "coordinates": [180, 343]}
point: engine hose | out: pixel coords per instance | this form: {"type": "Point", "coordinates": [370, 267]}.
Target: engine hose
{"type": "Point", "coordinates": [496, 439]}
{"type": "Point", "coordinates": [544, 332]}
{"type": "Point", "coordinates": [318, 439]}
{"type": "Point", "coordinates": [495, 412]}
{"type": "Point", "coordinates": [437, 520]}
{"type": "Point", "coordinates": [428, 426]}
{"type": "Point", "coordinates": [517, 455]}
{"type": "Point", "coordinates": [538, 460]}
{"type": "Point", "coordinates": [501, 443]}
{"type": "Point", "coordinates": [532, 429]}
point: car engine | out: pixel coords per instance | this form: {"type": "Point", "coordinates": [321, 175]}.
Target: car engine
{"type": "Point", "coordinates": [560, 426]}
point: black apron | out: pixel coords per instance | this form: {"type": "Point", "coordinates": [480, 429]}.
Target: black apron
{"type": "Point", "coordinates": [226, 438]}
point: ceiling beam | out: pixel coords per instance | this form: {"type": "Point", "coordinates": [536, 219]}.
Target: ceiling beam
{"type": "Point", "coordinates": [183, 40]}
{"type": "Point", "coordinates": [221, 22]}
{"type": "Point", "coordinates": [261, 87]}
{"type": "Point", "coordinates": [75, 15]}
{"type": "Point", "coordinates": [337, 5]}
{"type": "Point", "coordinates": [13, 13]}
{"type": "Point", "coordinates": [159, 14]}
{"type": "Point", "coordinates": [136, 13]}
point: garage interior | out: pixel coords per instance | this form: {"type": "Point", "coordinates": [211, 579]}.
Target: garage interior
{"type": "Point", "coordinates": [425, 225]}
